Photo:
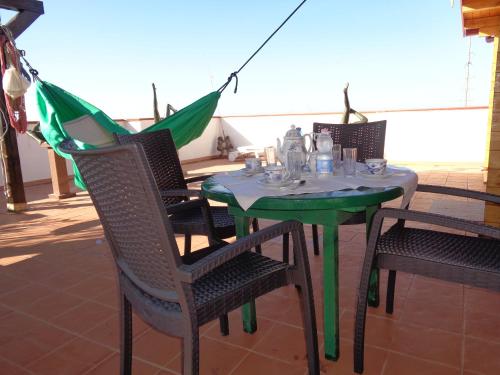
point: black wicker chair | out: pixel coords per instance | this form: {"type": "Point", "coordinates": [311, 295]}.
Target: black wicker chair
{"type": "Point", "coordinates": [452, 257]}
{"type": "Point", "coordinates": [174, 294]}
{"type": "Point", "coordinates": [164, 161]}
{"type": "Point", "coordinates": [368, 138]}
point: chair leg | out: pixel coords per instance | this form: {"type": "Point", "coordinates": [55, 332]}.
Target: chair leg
{"type": "Point", "coordinates": [187, 244]}
{"type": "Point", "coordinates": [125, 336]}
{"type": "Point", "coordinates": [391, 286]}
{"type": "Point", "coordinates": [255, 228]}
{"type": "Point", "coordinates": [286, 247]}
{"type": "Point", "coordinates": [224, 325]}
{"type": "Point", "coordinates": [315, 239]}
{"type": "Point", "coordinates": [359, 325]}
{"type": "Point", "coordinates": [310, 331]}
{"type": "Point", "coordinates": [191, 353]}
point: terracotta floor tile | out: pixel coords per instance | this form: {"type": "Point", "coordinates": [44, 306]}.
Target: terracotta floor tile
{"type": "Point", "coordinates": [257, 364]}
{"type": "Point", "coordinates": [284, 342]}
{"type": "Point", "coordinates": [398, 364]}
{"type": "Point", "coordinates": [429, 344]}
{"type": "Point", "coordinates": [215, 358]}
{"type": "Point", "coordinates": [109, 298]}
{"type": "Point", "coordinates": [8, 368]}
{"type": "Point", "coordinates": [112, 366]}
{"type": "Point", "coordinates": [374, 361]}
{"type": "Point", "coordinates": [435, 305]}
{"type": "Point", "coordinates": [24, 340]}
{"type": "Point", "coordinates": [92, 287]}
{"type": "Point", "coordinates": [9, 283]}
{"type": "Point", "coordinates": [66, 279]}
{"type": "Point", "coordinates": [378, 331]}
{"type": "Point", "coordinates": [481, 356]}
{"type": "Point", "coordinates": [156, 347]}
{"type": "Point", "coordinates": [26, 295]}
{"type": "Point", "coordinates": [108, 332]}
{"type": "Point", "coordinates": [84, 317]}
{"type": "Point", "coordinates": [483, 324]}
{"type": "Point", "coordinates": [481, 300]}
{"type": "Point", "coordinates": [236, 334]}
{"type": "Point", "coordinates": [76, 357]}
{"type": "Point", "coordinates": [53, 305]}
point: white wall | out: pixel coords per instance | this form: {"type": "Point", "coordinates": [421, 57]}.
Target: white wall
{"type": "Point", "coordinates": [35, 162]}
{"type": "Point", "coordinates": [438, 136]}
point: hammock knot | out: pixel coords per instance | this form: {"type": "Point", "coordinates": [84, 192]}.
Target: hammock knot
{"type": "Point", "coordinates": [229, 79]}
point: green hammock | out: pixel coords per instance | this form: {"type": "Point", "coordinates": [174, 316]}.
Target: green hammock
{"type": "Point", "coordinates": [58, 107]}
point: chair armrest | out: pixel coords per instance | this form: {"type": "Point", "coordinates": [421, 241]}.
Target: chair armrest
{"type": "Point", "coordinates": [185, 193]}
{"type": "Point", "coordinates": [487, 197]}
{"type": "Point", "coordinates": [197, 178]}
{"type": "Point", "coordinates": [440, 220]}
{"type": "Point", "coordinates": [192, 272]}
{"type": "Point", "coordinates": [186, 205]}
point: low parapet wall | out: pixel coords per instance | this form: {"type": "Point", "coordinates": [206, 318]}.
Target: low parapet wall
{"type": "Point", "coordinates": [445, 136]}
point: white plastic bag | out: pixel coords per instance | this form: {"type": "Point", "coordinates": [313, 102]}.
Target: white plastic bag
{"type": "Point", "coordinates": [14, 83]}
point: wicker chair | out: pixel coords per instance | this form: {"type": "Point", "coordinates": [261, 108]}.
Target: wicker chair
{"type": "Point", "coordinates": [164, 161]}
{"type": "Point", "coordinates": [174, 294]}
{"type": "Point", "coordinates": [368, 138]}
{"type": "Point", "coordinates": [428, 252]}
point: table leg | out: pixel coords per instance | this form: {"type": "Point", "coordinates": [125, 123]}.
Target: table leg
{"type": "Point", "coordinates": [248, 310]}
{"type": "Point", "coordinates": [373, 290]}
{"type": "Point", "coordinates": [331, 290]}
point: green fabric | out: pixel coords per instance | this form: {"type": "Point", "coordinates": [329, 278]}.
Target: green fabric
{"type": "Point", "coordinates": [57, 106]}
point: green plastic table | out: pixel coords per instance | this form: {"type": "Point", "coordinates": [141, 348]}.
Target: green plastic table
{"type": "Point", "coordinates": [329, 209]}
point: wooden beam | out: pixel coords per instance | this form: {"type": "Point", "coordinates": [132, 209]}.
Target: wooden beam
{"type": "Point", "coordinates": [470, 5]}
{"type": "Point", "coordinates": [29, 11]}
{"type": "Point", "coordinates": [479, 23]}
{"type": "Point", "coordinates": [492, 212]}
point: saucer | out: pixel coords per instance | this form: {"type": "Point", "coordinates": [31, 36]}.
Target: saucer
{"type": "Point", "coordinates": [281, 184]}
{"type": "Point", "coordinates": [251, 172]}
{"type": "Point", "coordinates": [367, 174]}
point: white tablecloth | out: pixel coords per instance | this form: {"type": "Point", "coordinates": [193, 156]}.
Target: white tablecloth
{"type": "Point", "coordinates": [247, 190]}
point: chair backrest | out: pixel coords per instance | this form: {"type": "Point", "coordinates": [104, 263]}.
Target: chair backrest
{"type": "Point", "coordinates": [368, 138]}
{"type": "Point", "coordinates": [133, 216]}
{"type": "Point", "coordinates": [162, 156]}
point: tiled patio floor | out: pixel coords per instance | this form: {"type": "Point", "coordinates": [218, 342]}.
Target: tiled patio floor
{"type": "Point", "coordinates": [58, 308]}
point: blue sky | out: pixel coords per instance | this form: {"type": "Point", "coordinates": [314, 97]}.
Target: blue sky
{"type": "Point", "coordinates": [395, 54]}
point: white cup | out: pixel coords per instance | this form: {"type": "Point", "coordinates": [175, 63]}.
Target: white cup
{"type": "Point", "coordinates": [376, 166]}
{"type": "Point", "coordinates": [276, 174]}
{"type": "Point", "coordinates": [252, 164]}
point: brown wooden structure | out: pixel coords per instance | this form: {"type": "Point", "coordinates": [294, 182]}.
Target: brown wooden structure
{"type": "Point", "coordinates": [482, 18]}
{"type": "Point", "coordinates": [28, 12]}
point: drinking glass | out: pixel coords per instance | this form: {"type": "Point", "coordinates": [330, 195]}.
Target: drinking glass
{"type": "Point", "coordinates": [294, 164]}
{"type": "Point", "coordinates": [350, 156]}
{"type": "Point", "coordinates": [270, 152]}
{"type": "Point", "coordinates": [337, 156]}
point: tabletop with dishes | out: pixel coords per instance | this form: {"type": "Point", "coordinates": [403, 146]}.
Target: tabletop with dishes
{"type": "Point", "coordinates": [293, 168]}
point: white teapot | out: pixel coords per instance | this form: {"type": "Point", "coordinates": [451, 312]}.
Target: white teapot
{"type": "Point", "coordinates": [293, 140]}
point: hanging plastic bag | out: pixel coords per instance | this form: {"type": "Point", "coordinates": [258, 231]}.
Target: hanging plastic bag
{"type": "Point", "coordinates": [14, 83]}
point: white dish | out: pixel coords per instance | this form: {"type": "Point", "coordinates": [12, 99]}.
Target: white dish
{"type": "Point", "coordinates": [367, 174]}
{"type": "Point", "coordinates": [264, 182]}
